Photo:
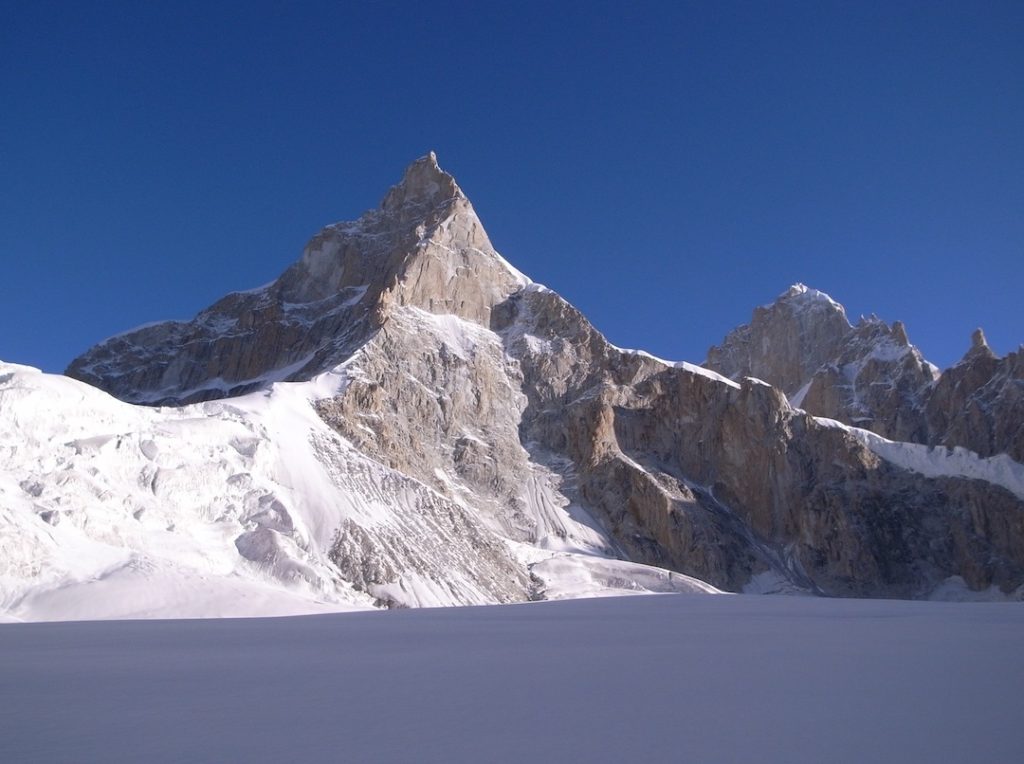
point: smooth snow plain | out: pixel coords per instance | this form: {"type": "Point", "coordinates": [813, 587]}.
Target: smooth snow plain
{"type": "Point", "coordinates": [680, 678]}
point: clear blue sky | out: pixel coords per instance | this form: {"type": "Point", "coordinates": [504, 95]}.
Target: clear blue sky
{"type": "Point", "coordinates": [666, 167]}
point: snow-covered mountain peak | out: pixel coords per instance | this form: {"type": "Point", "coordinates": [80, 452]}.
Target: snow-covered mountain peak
{"type": "Point", "coordinates": [804, 296]}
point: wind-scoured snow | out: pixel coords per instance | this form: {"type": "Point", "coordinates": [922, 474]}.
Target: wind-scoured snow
{"type": "Point", "coordinates": [939, 461]}
{"type": "Point", "coordinates": [801, 294]}
{"type": "Point", "coordinates": [702, 372]}
{"type": "Point", "coordinates": [462, 337]}
{"type": "Point", "coordinates": [684, 365]}
{"type": "Point", "coordinates": [670, 678]}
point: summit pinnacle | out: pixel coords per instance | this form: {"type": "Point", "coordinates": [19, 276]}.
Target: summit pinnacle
{"type": "Point", "coordinates": [979, 346]}
{"type": "Point", "coordinates": [423, 184]}
{"type": "Point", "coordinates": [424, 247]}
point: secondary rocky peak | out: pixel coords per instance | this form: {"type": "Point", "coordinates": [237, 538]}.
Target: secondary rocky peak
{"type": "Point", "coordinates": [979, 402]}
{"type": "Point", "coordinates": [979, 346]}
{"type": "Point", "coordinates": [785, 341]}
{"type": "Point", "coordinates": [899, 334]}
{"type": "Point", "coordinates": [872, 377]}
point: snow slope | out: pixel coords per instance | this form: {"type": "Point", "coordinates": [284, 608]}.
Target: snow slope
{"type": "Point", "coordinates": [114, 511]}
{"type": "Point", "coordinates": [232, 508]}
{"type": "Point", "coordinates": [666, 678]}
{"type": "Point", "coordinates": [939, 461]}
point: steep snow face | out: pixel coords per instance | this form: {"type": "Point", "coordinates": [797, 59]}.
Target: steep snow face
{"type": "Point", "coordinates": [187, 511]}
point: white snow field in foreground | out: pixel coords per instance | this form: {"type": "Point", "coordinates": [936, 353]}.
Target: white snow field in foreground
{"type": "Point", "coordinates": [673, 678]}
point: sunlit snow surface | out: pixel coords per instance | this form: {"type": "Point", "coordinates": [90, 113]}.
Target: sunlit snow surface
{"type": "Point", "coordinates": [674, 678]}
{"type": "Point", "coordinates": [109, 510]}
{"type": "Point", "coordinates": [939, 461]}
{"type": "Point", "coordinates": [230, 509]}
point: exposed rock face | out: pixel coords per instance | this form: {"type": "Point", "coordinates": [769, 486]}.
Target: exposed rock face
{"type": "Point", "coordinates": [876, 381]}
{"type": "Point", "coordinates": [721, 481]}
{"type": "Point", "coordinates": [979, 403]}
{"type": "Point", "coordinates": [870, 376]}
{"type": "Point", "coordinates": [424, 246]}
{"type": "Point", "coordinates": [534, 433]}
{"type": "Point", "coordinates": [785, 342]}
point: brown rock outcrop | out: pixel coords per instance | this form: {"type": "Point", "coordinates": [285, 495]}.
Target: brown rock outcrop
{"type": "Point", "coordinates": [786, 341]}
{"type": "Point", "coordinates": [722, 481]}
{"type": "Point", "coordinates": [979, 403]}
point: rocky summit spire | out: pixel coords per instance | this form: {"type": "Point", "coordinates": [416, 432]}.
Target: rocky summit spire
{"type": "Point", "coordinates": [899, 334]}
{"type": "Point", "coordinates": [424, 184]}
{"type": "Point", "coordinates": [423, 248]}
{"type": "Point", "coordinates": [374, 250]}
{"type": "Point", "coordinates": [979, 346]}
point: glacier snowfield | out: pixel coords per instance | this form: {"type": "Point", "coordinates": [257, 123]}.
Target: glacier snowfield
{"type": "Point", "coordinates": [673, 678]}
